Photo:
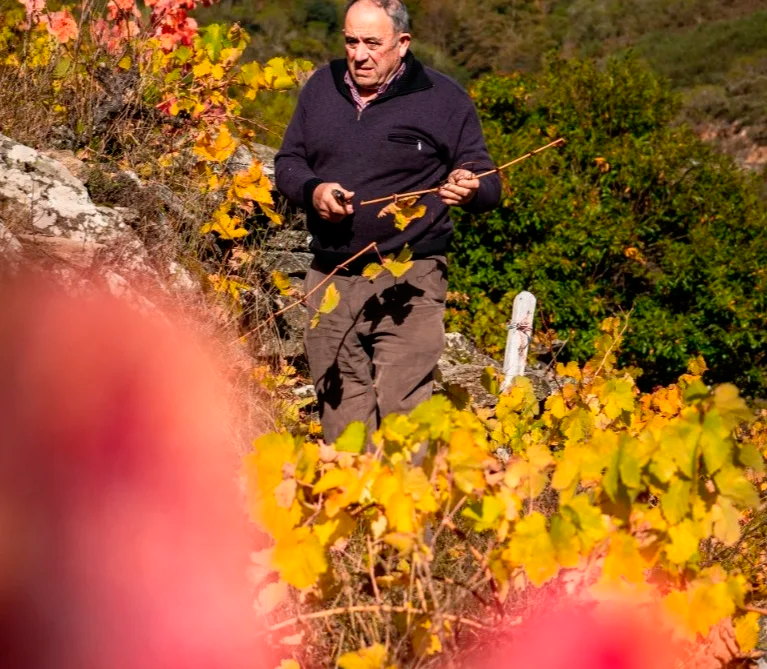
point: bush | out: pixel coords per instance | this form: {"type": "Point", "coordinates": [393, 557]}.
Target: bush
{"type": "Point", "coordinates": [633, 214]}
{"type": "Point", "coordinates": [456, 521]}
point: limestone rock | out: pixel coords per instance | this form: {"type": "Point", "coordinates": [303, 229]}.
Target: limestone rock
{"type": "Point", "coordinates": [44, 198]}
{"type": "Point", "coordinates": [47, 215]}
{"type": "Point", "coordinates": [290, 263]}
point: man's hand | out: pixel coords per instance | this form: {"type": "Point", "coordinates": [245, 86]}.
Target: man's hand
{"type": "Point", "coordinates": [460, 189]}
{"type": "Point", "coordinates": [328, 206]}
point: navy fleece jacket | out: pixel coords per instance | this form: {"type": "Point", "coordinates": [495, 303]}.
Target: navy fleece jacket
{"type": "Point", "coordinates": [408, 139]}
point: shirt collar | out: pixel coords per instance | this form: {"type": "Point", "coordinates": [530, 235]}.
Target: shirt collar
{"type": "Point", "coordinates": [359, 101]}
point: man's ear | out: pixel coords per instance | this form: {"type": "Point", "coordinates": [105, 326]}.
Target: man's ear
{"type": "Point", "coordinates": [403, 44]}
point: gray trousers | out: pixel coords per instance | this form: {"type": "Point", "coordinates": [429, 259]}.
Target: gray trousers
{"type": "Point", "coordinates": [376, 353]}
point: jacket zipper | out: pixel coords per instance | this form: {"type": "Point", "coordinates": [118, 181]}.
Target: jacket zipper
{"type": "Point", "coordinates": [372, 102]}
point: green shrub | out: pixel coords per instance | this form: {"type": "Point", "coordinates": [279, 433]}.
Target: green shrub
{"type": "Point", "coordinates": [634, 213]}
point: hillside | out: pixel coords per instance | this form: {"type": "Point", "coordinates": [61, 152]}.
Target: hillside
{"type": "Point", "coordinates": [713, 51]}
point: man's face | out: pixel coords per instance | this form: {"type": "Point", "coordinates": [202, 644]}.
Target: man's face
{"type": "Point", "coordinates": [373, 49]}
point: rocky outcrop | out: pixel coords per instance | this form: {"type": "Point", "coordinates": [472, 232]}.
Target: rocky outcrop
{"type": "Point", "coordinates": [744, 143]}
{"type": "Point", "coordinates": [48, 215]}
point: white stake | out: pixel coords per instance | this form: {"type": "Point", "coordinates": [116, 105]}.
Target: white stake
{"type": "Point", "coordinates": [518, 339]}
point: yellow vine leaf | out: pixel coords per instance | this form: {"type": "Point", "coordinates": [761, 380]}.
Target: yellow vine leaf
{"type": "Point", "coordinates": [330, 300]}
{"type": "Point", "coordinates": [726, 521]}
{"type": "Point", "coordinates": [685, 538]}
{"type": "Point", "coordinates": [709, 603]}
{"type": "Point", "coordinates": [277, 76]}
{"type": "Point", "coordinates": [281, 282]}
{"type": "Point", "coordinates": [404, 211]}
{"type": "Point", "coordinates": [571, 370]}
{"type": "Point", "coordinates": [333, 529]}
{"type": "Point", "coordinates": [531, 547]}
{"type": "Point", "coordinates": [227, 227]}
{"type": "Point", "coordinates": [747, 631]}
{"type": "Point", "coordinates": [731, 406]}
{"type": "Point", "coordinates": [373, 657]}
{"type": "Point", "coordinates": [487, 514]}
{"type": "Point", "coordinates": [289, 664]}
{"type": "Point", "coordinates": [467, 460]}
{"type": "Point", "coordinates": [617, 396]}
{"type": "Point", "coordinates": [252, 185]}
{"type": "Point", "coordinates": [372, 271]}
{"type": "Point", "coordinates": [401, 264]}
{"type": "Point", "coordinates": [624, 560]}
{"type": "Point", "coordinates": [346, 485]}
{"type": "Point", "coordinates": [352, 439]}
{"type": "Point", "coordinates": [300, 558]}
{"type": "Point", "coordinates": [425, 641]}
{"type": "Point", "coordinates": [215, 150]}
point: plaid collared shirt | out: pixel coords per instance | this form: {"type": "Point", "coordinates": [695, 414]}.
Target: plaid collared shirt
{"type": "Point", "coordinates": [359, 102]}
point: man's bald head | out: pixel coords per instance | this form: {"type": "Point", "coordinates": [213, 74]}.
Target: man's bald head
{"type": "Point", "coordinates": [395, 9]}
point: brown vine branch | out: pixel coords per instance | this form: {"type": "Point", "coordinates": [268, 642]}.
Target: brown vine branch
{"type": "Point", "coordinates": [418, 193]}
{"type": "Point", "coordinates": [373, 246]}
{"type": "Point", "coordinates": [377, 608]}
{"type": "Point", "coordinates": [756, 609]}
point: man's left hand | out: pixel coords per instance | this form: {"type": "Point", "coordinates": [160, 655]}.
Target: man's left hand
{"type": "Point", "coordinates": [460, 188]}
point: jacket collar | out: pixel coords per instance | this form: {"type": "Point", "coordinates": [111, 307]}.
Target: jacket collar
{"type": "Point", "coordinates": [414, 79]}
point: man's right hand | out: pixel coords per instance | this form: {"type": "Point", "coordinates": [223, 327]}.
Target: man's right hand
{"type": "Point", "coordinates": [326, 204]}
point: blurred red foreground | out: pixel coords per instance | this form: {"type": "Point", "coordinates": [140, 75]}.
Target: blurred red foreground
{"type": "Point", "coordinates": [608, 637]}
{"type": "Point", "coordinates": [123, 543]}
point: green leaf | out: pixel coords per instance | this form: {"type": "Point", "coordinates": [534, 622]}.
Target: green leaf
{"type": "Point", "coordinates": [587, 518]}
{"type": "Point", "coordinates": [486, 514]}
{"type": "Point", "coordinates": [564, 537]}
{"type": "Point", "coordinates": [352, 439]}
{"type": "Point", "coordinates": [680, 440]}
{"type": "Point", "coordinates": [610, 481]}
{"type": "Point", "coordinates": [490, 381]}
{"type": "Point", "coordinates": [618, 396]}
{"type": "Point", "coordinates": [749, 456]}
{"type": "Point", "coordinates": [731, 405]}
{"type": "Point", "coordinates": [675, 502]}
{"type": "Point", "coordinates": [697, 390]}
{"type": "Point", "coordinates": [435, 413]}
{"type": "Point", "coordinates": [213, 38]}
{"type": "Point", "coordinates": [630, 470]}
{"type": "Point", "coordinates": [62, 68]}
{"type": "Point", "coordinates": [732, 484]}
{"type": "Point", "coordinates": [182, 54]}
{"type": "Point", "coordinates": [715, 442]}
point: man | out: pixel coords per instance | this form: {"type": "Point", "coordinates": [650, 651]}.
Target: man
{"type": "Point", "coordinates": [375, 124]}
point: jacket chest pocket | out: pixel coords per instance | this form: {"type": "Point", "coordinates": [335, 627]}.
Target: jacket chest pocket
{"type": "Point", "coordinates": [418, 143]}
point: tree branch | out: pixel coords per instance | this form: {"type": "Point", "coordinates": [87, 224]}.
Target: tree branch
{"type": "Point", "coordinates": [418, 193]}
{"type": "Point", "coordinates": [376, 608]}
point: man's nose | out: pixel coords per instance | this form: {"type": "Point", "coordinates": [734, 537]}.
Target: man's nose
{"type": "Point", "coordinates": [360, 53]}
